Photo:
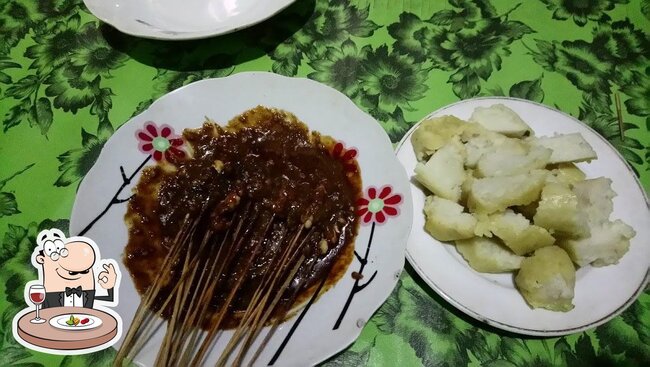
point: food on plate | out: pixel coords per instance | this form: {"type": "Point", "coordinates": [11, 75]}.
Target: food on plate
{"type": "Point", "coordinates": [607, 240]}
{"type": "Point", "coordinates": [566, 148]}
{"type": "Point", "coordinates": [605, 245]}
{"type": "Point", "coordinates": [559, 211]}
{"type": "Point", "coordinates": [443, 174]}
{"type": "Point", "coordinates": [241, 231]}
{"type": "Point", "coordinates": [596, 194]}
{"type": "Point", "coordinates": [509, 198]}
{"type": "Point", "coordinates": [433, 134]}
{"type": "Point", "coordinates": [479, 141]}
{"type": "Point", "coordinates": [502, 162]}
{"type": "Point", "coordinates": [566, 173]}
{"type": "Point", "coordinates": [501, 119]}
{"type": "Point", "coordinates": [446, 220]}
{"type": "Point", "coordinates": [487, 255]}
{"type": "Point", "coordinates": [547, 278]}
{"type": "Point", "coordinates": [492, 194]}
{"type": "Point", "coordinates": [74, 321]}
{"type": "Point", "coordinates": [517, 233]}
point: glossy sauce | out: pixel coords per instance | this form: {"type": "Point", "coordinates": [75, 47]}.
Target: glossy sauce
{"type": "Point", "coordinates": [264, 162]}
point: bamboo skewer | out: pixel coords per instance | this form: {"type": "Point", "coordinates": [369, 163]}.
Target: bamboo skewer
{"type": "Point", "coordinates": [269, 309]}
{"type": "Point", "coordinates": [143, 307]}
{"type": "Point", "coordinates": [224, 308]}
{"type": "Point", "coordinates": [205, 296]}
{"type": "Point", "coordinates": [253, 312]}
{"type": "Point", "coordinates": [204, 300]}
{"type": "Point", "coordinates": [196, 270]}
{"type": "Point", "coordinates": [180, 303]}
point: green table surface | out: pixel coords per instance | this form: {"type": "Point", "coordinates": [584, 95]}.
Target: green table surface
{"type": "Point", "coordinates": [67, 82]}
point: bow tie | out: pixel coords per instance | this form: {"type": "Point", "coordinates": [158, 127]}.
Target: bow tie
{"type": "Point", "coordinates": [69, 291]}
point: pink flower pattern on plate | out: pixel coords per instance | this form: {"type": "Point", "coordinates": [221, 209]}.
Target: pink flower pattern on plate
{"type": "Point", "coordinates": [345, 156]}
{"type": "Point", "coordinates": [378, 205]}
{"type": "Point", "coordinates": [159, 142]}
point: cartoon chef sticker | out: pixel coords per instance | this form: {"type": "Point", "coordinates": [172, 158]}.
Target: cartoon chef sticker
{"type": "Point", "coordinates": [68, 311]}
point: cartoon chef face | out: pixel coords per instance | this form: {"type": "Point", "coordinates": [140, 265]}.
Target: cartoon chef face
{"type": "Point", "coordinates": [65, 264]}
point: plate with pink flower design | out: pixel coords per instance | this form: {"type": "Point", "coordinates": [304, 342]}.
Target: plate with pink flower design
{"type": "Point", "coordinates": [322, 326]}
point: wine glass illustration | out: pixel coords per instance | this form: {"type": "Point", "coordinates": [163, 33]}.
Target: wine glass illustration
{"type": "Point", "coordinates": [37, 296]}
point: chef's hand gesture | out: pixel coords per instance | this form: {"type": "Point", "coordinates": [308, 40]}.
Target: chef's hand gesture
{"type": "Point", "coordinates": [107, 277]}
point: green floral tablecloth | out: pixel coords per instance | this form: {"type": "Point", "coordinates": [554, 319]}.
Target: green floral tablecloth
{"type": "Point", "coordinates": [67, 82]}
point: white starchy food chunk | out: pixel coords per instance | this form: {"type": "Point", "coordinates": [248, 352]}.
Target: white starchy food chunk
{"type": "Point", "coordinates": [566, 148]}
{"type": "Point", "coordinates": [566, 173]}
{"type": "Point", "coordinates": [479, 141]}
{"type": "Point", "coordinates": [596, 196]}
{"type": "Point", "coordinates": [487, 255]}
{"type": "Point", "coordinates": [501, 119]}
{"type": "Point", "coordinates": [518, 234]}
{"type": "Point", "coordinates": [445, 220]}
{"type": "Point", "coordinates": [492, 194]}
{"type": "Point", "coordinates": [444, 173]}
{"type": "Point", "coordinates": [559, 211]}
{"type": "Point", "coordinates": [476, 147]}
{"type": "Point", "coordinates": [432, 134]}
{"type": "Point", "coordinates": [607, 244]}
{"type": "Point", "coordinates": [505, 162]}
{"type": "Point", "coordinates": [473, 130]}
{"type": "Point", "coordinates": [547, 279]}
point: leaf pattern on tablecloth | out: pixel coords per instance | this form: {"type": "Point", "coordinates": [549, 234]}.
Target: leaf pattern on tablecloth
{"type": "Point", "coordinates": [8, 204]}
{"type": "Point", "coordinates": [67, 81]}
{"type": "Point", "coordinates": [69, 60]}
{"type": "Point", "coordinates": [351, 357]}
{"type": "Point", "coordinates": [331, 23]}
{"type": "Point", "coordinates": [582, 11]}
{"type": "Point", "coordinates": [525, 89]}
{"type": "Point", "coordinates": [605, 122]}
{"type": "Point", "coordinates": [645, 8]}
{"type": "Point", "coordinates": [101, 358]}
{"type": "Point", "coordinates": [384, 82]}
{"type": "Point", "coordinates": [613, 56]}
{"type": "Point", "coordinates": [469, 41]}
{"type": "Point", "coordinates": [615, 59]}
{"type": "Point", "coordinates": [638, 89]}
{"type": "Point", "coordinates": [75, 163]}
{"type": "Point", "coordinates": [411, 314]}
{"type": "Point", "coordinates": [12, 353]}
{"type": "Point", "coordinates": [438, 338]}
{"type": "Point", "coordinates": [16, 19]}
{"type": "Point", "coordinates": [629, 334]}
{"type": "Point", "coordinates": [15, 261]}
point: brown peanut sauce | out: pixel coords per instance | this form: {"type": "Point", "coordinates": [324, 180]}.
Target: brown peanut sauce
{"type": "Point", "coordinates": [265, 162]}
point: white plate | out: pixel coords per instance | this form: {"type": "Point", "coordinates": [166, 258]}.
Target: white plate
{"type": "Point", "coordinates": [600, 293]}
{"type": "Point", "coordinates": [183, 20]}
{"type": "Point", "coordinates": [323, 109]}
{"type": "Point", "coordinates": [59, 322]}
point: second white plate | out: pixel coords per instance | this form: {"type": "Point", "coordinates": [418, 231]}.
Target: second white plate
{"type": "Point", "coordinates": [600, 293]}
{"type": "Point", "coordinates": [183, 20]}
